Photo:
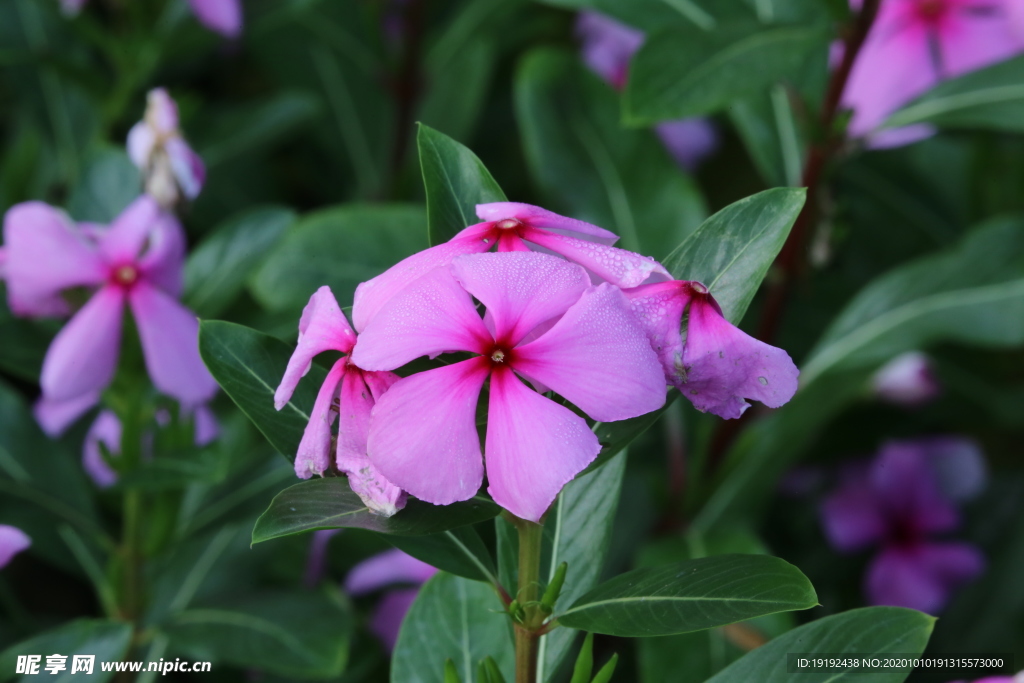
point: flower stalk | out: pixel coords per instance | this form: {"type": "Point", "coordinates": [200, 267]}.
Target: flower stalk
{"type": "Point", "coordinates": [527, 629]}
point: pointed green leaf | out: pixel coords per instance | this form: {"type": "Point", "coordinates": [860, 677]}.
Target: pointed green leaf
{"type": "Point", "coordinates": [106, 639]}
{"type": "Point", "coordinates": [584, 661]}
{"type": "Point", "coordinates": [458, 551]}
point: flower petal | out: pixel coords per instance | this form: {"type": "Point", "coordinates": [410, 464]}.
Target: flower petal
{"type": "Point", "coordinates": [385, 569]}
{"type": "Point", "coordinates": [170, 343]}
{"type": "Point", "coordinates": [371, 295]}
{"type": "Point", "coordinates": [387, 619]}
{"type": "Point", "coordinates": [659, 308]}
{"type": "Point", "coordinates": [124, 240]}
{"type": "Point", "coordinates": [906, 479]}
{"type": "Point", "coordinates": [520, 290]}
{"type": "Point", "coordinates": [163, 262]}
{"type": "Point", "coordinates": [106, 430]}
{"type": "Point", "coordinates": [907, 379]}
{"type": "Point", "coordinates": [316, 562]}
{"type": "Point", "coordinates": [973, 40]}
{"type": "Point", "coordinates": [534, 447]}
{"type": "Point", "coordinates": [596, 345]}
{"type": "Point", "coordinates": [548, 221]}
{"type": "Point", "coordinates": [724, 365]}
{"type": "Point", "coordinates": [432, 315]}
{"type": "Point", "coordinates": [688, 141]}
{"type": "Point", "coordinates": [921, 576]}
{"type": "Point", "coordinates": [56, 416]}
{"type": "Point", "coordinates": [46, 253]}
{"type": "Point", "coordinates": [141, 141]}
{"type": "Point", "coordinates": [188, 167]}
{"type": "Point", "coordinates": [379, 494]}
{"type": "Point", "coordinates": [222, 16]}
{"type": "Point", "coordinates": [322, 327]}
{"type": "Point", "coordinates": [83, 356]}
{"type": "Point", "coordinates": [851, 516]}
{"type": "Point", "coordinates": [607, 46]}
{"type": "Point", "coordinates": [205, 424]}
{"type": "Point", "coordinates": [314, 454]}
{"type": "Point", "coordinates": [620, 267]}
{"type": "Point", "coordinates": [12, 542]}
{"type": "Point", "coordinates": [423, 435]}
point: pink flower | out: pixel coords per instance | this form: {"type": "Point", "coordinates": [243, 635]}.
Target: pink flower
{"type": "Point", "coordinates": [222, 16]}
{"type": "Point", "coordinates": [12, 542]}
{"type": "Point", "coordinates": [718, 366]}
{"type": "Point", "coordinates": [349, 393]}
{"type": "Point", "coordinates": [155, 145]}
{"type": "Point", "coordinates": [913, 45]}
{"type": "Point", "coordinates": [544, 323]}
{"type": "Point", "coordinates": [138, 260]}
{"type": "Point", "coordinates": [514, 227]}
{"type": "Point", "coordinates": [906, 380]}
{"type": "Point", "coordinates": [388, 568]}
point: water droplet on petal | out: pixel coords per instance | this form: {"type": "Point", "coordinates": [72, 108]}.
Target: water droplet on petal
{"type": "Point", "coordinates": [763, 381]}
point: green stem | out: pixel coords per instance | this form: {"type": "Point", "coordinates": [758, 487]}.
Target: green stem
{"type": "Point", "coordinates": [132, 554]}
{"type": "Point", "coordinates": [530, 536]}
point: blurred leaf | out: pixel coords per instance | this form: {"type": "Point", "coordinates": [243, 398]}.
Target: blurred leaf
{"type": "Point", "coordinates": [457, 90]}
{"type": "Point", "coordinates": [304, 635]}
{"type": "Point", "coordinates": [987, 98]}
{"type": "Point", "coordinates": [732, 251]}
{"type": "Point", "coordinates": [972, 294]}
{"type": "Point", "coordinates": [252, 126]}
{"type": "Point", "coordinates": [248, 365]}
{"type": "Point", "coordinates": [109, 182]}
{"type": "Point", "coordinates": [689, 72]}
{"type": "Point", "coordinates": [590, 167]}
{"type": "Point", "coordinates": [458, 551]}
{"type": "Point", "coordinates": [772, 136]}
{"type": "Point", "coordinates": [615, 436]}
{"type": "Point", "coordinates": [106, 639]}
{"type": "Point", "coordinates": [867, 631]}
{"type": "Point", "coordinates": [329, 503]}
{"type": "Point", "coordinates": [338, 247]}
{"type": "Point", "coordinates": [24, 343]}
{"type": "Point", "coordinates": [654, 15]}
{"type": "Point", "coordinates": [455, 181]}
{"type": "Point", "coordinates": [217, 269]}
{"type": "Point", "coordinates": [691, 596]}
{"type": "Point", "coordinates": [452, 618]}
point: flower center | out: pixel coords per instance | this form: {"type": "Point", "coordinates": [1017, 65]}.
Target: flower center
{"type": "Point", "coordinates": [507, 224]}
{"type": "Point", "coordinates": [126, 276]}
{"type": "Point", "coordinates": [498, 356]}
{"type": "Point", "coordinates": [931, 10]}
{"type": "Point", "coordinates": [698, 288]}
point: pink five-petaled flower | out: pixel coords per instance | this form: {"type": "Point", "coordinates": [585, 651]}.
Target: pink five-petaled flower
{"type": "Point", "coordinates": [913, 45]}
{"type": "Point", "coordinates": [544, 323]}
{"type": "Point", "coordinates": [12, 542]}
{"type": "Point", "coordinates": [718, 365]}
{"type": "Point", "coordinates": [155, 145]}
{"type": "Point", "coordinates": [513, 227]}
{"type": "Point", "coordinates": [323, 327]}
{"type": "Point", "coordinates": [222, 16]}
{"type": "Point", "coordinates": [138, 260]}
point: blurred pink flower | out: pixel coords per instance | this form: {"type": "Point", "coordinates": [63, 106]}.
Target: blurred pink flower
{"type": "Point", "coordinates": [545, 323]}
{"type": "Point", "coordinates": [348, 392]}
{"type": "Point", "coordinates": [719, 365]}
{"type": "Point", "coordinates": [169, 166]}
{"type": "Point", "coordinates": [387, 569]}
{"type": "Point", "coordinates": [907, 380]}
{"type": "Point", "coordinates": [138, 260]}
{"type": "Point", "coordinates": [222, 16]}
{"type": "Point", "coordinates": [514, 227]}
{"type": "Point", "coordinates": [913, 45]}
{"type": "Point", "coordinates": [12, 542]}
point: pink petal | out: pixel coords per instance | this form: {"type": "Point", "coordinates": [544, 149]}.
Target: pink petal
{"type": "Point", "coordinates": [322, 327]}
{"type": "Point", "coordinates": [659, 308]}
{"type": "Point", "coordinates": [432, 315]}
{"type": "Point", "coordinates": [384, 569]}
{"type": "Point", "coordinates": [12, 542]}
{"type": "Point", "coordinates": [123, 242]}
{"type": "Point", "coordinates": [45, 254]}
{"type": "Point", "coordinates": [534, 447]}
{"type": "Point", "coordinates": [161, 112]}
{"type": "Point", "coordinates": [598, 357]}
{"type": "Point", "coordinates": [371, 295]}
{"type": "Point", "coordinates": [423, 435]}
{"type": "Point", "coordinates": [536, 217]}
{"type": "Point", "coordinates": [106, 430]}
{"type": "Point", "coordinates": [83, 356]}
{"type": "Point", "coordinates": [222, 16]}
{"type": "Point", "coordinates": [316, 562]}
{"type": "Point", "coordinates": [725, 365]}
{"type": "Point", "coordinates": [922, 576]}
{"type": "Point", "coordinates": [188, 167]}
{"type": "Point", "coordinates": [905, 478]}
{"type": "Point", "coordinates": [379, 494]}
{"type": "Point", "coordinates": [387, 618]}
{"type": "Point", "coordinates": [141, 141]}
{"type": "Point", "coordinates": [163, 262]}
{"type": "Point", "coordinates": [314, 454]}
{"type": "Point", "coordinates": [607, 46]}
{"type": "Point", "coordinates": [688, 141]}
{"type": "Point", "coordinates": [205, 424]}
{"type": "Point", "coordinates": [620, 267]}
{"type": "Point", "coordinates": [906, 380]}
{"type": "Point", "coordinates": [170, 343]}
{"type": "Point", "coordinates": [973, 40]}
{"type": "Point", "coordinates": [56, 416]}
{"type": "Point", "coordinates": [520, 290]}
{"type": "Point", "coordinates": [852, 517]}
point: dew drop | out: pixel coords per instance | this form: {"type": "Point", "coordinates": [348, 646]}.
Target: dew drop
{"type": "Point", "coordinates": [763, 381]}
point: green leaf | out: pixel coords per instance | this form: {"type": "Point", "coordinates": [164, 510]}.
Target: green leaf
{"type": "Point", "coordinates": [106, 639]}
{"type": "Point", "coordinates": [329, 503]}
{"type": "Point", "coordinates": [732, 251]}
{"type": "Point", "coordinates": [24, 343]}
{"type": "Point", "coordinates": [455, 181]}
{"type": "Point", "coordinates": [248, 127]}
{"type": "Point", "coordinates": [615, 436]}
{"type": "Point", "coordinates": [458, 551]}
{"type": "Point", "coordinates": [990, 98]}
{"type": "Point", "coordinates": [248, 365]}
{"type": "Point", "coordinates": [772, 135]}
{"type": "Point", "coordinates": [338, 247]}
{"type": "Point", "coordinates": [452, 618]}
{"type": "Point", "coordinates": [683, 72]}
{"type": "Point", "coordinates": [590, 167]}
{"type": "Point", "coordinates": [109, 183]}
{"type": "Point", "coordinates": [301, 635]}
{"type": "Point", "coordinates": [690, 596]}
{"type": "Point", "coordinates": [217, 269]}
{"type": "Point", "coordinates": [460, 74]}
{"type": "Point", "coordinates": [584, 661]}
{"type": "Point", "coordinates": [972, 294]}
{"type": "Point", "coordinates": [868, 631]}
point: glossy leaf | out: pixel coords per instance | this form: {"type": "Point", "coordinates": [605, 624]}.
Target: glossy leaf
{"type": "Point", "coordinates": [732, 251]}
{"type": "Point", "coordinates": [690, 596]}
{"type": "Point", "coordinates": [868, 631]}
{"type": "Point", "coordinates": [458, 551]}
{"type": "Point", "coordinates": [329, 503]}
{"type": "Point", "coordinates": [108, 640]}
{"type": "Point", "coordinates": [455, 181]}
{"type": "Point", "coordinates": [248, 365]}
{"type": "Point", "coordinates": [452, 618]}
{"type": "Point", "coordinates": [217, 269]}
